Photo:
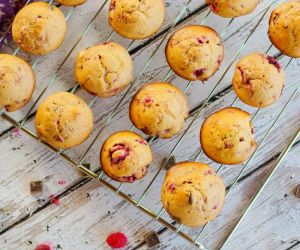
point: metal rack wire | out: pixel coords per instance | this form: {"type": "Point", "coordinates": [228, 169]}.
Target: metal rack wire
{"type": "Point", "coordinates": [99, 174]}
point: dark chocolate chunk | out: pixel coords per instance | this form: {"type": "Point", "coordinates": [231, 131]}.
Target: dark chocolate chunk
{"type": "Point", "coordinates": [36, 187]}
{"type": "Point", "coordinates": [152, 240]}
{"type": "Point", "coordinates": [298, 191]}
{"type": "Point", "coordinates": [171, 162]}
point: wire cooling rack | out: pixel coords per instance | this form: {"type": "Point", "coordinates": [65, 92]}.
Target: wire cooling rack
{"type": "Point", "coordinates": [99, 175]}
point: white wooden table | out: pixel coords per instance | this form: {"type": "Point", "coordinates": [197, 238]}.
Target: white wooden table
{"type": "Point", "coordinates": [88, 212]}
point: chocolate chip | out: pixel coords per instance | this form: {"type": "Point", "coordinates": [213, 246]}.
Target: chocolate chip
{"type": "Point", "coordinates": [298, 191]}
{"type": "Point", "coordinates": [36, 187]}
{"type": "Point", "coordinates": [171, 162]}
{"type": "Point", "coordinates": [152, 240]}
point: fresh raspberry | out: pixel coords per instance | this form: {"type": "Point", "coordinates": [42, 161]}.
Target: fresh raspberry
{"type": "Point", "coordinates": [117, 240]}
{"type": "Point", "coordinates": [44, 246]}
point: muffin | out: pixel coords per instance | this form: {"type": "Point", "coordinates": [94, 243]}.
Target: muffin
{"type": "Point", "coordinates": [39, 28]}
{"type": "Point", "coordinates": [135, 19]}
{"type": "Point", "coordinates": [232, 8]}
{"type": "Point", "coordinates": [64, 120]}
{"type": "Point", "coordinates": [227, 136]}
{"type": "Point", "coordinates": [159, 109]}
{"type": "Point", "coordinates": [71, 2]}
{"type": "Point", "coordinates": [17, 82]}
{"type": "Point", "coordinates": [258, 80]}
{"type": "Point", "coordinates": [195, 52]}
{"type": "Point", "coordinates": [104, 69]}
{"type": "Point", "coordinates": [284, 28]}
{"type": "Point", "coordinates": [125, 156]}
{"type": "Point", "coordinates": [192, 193]}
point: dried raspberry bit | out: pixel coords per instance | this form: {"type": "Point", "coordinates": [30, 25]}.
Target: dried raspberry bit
{"type": "Point", "coordinates": [112, 6]}
{"type": "Point", "coordinates": [118, 153]}
{"type": "Point", "coordinates": [199, 72]}
{"type": "Point", "coordinates": [213, 7]}
{"type": "Point", "coordinates": [61, 182]}
{"type": "Point", "coordinates": [274, 62]}
{"type": "Point", "coordinates": [44, 246]}
{"type": "Point", "coordinates": [275, 18]}
{"type": "Point", "coordinates": [219, 60]}
{"type": "Point", "coordinates": [129, 179]}
{"type": "Point", "coordinates": [148, 100]}
{"type": "Point", "coordinates": [208, 172]}
{"type": "Point", "coordinates": [215, 207]}
{"type": "Point", "coordinates": [245, 79]}
{"type": "Point", "coordinates": [16, 133]}
{"type": "Point", "coordinates": [117, 240]}
{"type": "Point", "coordinates": [242, 139]}
{"type": "Point", "coordinates": [141, 141]}
{"type": "Point", "coordinates": [7, 107]}
{"type": "Point", "coordinates": [54, 199]}
{"type": "Point", "coordinates": [172, 187]}
{"type": "Point", "coordinates": [201, 39]}
{"type": "Point", "coordinates": [115, 91]}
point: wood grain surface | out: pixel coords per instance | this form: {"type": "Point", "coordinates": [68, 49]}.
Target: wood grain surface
{"type": "Point", "coordinates": [88, 212]}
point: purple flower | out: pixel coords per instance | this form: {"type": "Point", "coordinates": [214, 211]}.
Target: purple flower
{"type": "Point", "coordinates": [8, 9]}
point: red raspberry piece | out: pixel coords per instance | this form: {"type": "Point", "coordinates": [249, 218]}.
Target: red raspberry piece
{"type": "Point", "coordinates": [44, 246]}
{"type": "Point", "coordinates": [117, 240]}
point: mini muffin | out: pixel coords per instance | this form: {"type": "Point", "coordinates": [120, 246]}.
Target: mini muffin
{"type": "Point", "coordinates": [258, 80]}
{"type": "Point", "coordinates": [192, 193]}
{"type": "Point", "coordinates": [71, 2]}
{"type": "Point", "coordinates": [284, 28]}
{"type": "Point", "coordinates": [64, 120]}
{"type": "Point", "coordinates": [195, 52]}
{"type": "Point", "coordinates": [159, 109]}
{"type": "Point", "coordinates": [227, 136]}
{"type": "Point", "coordinates": [125, 156]}
{"type": "Point", "coordinates": [232, 8]}
{"type": "Point", "coordinates": [17, 82]}
{"type": "Point", "coordinates": [39, 28]}
{"type": "Point", "coordinates": [135, 19]}
{"type": "Point", "coordinates": [104, 69]}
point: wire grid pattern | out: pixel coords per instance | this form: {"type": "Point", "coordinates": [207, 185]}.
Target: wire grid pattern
{"type": "Point", "coordinates": [99, 175]}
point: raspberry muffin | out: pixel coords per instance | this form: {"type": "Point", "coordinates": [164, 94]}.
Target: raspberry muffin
{"type": "Point", "coordinates": [135, 19]}
{"type": "Point", "coordinates": [192, 193]}
{"type": "Point", "coordinates": [284, 28]}
{"type": "Point", "coordinates": [71, 2]}
{"type": "Point", "coordinates": [104, 69]}
{"type": "Point", "coordinates": [232, 8]}
{"type": "Point", "coordinates": [125, 156]}
{"type": "Point", "coordinates": [159, 109]}
{"type": "Point", "coordinates": [227, 136]}
{"type": "Point", "coordinates": [258, 80]}
{"type": "Point", "coordinates": [39, 28]}
{"type": "Point", "coordinates": [64, 120]}
{"type": "Point", "coordinates": [195, 52]}
{"type": "Point", "coordinates": [17, 82]}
